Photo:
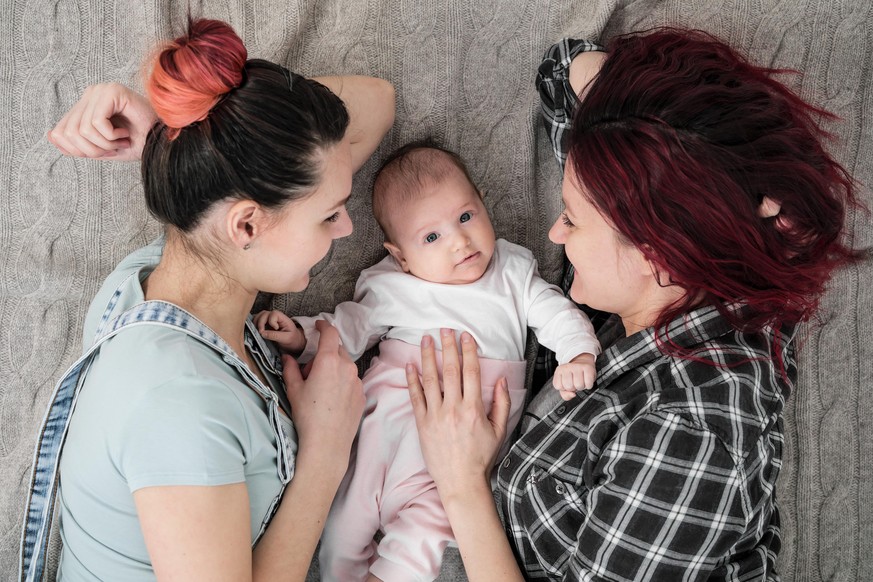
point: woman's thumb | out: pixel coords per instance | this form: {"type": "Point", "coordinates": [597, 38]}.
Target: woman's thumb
{"type": "Point", "coordinates": [499, 414]}
{"type": "Point", "coordinates": [291, 373]}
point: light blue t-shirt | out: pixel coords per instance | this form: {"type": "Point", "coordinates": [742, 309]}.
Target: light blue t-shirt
{"type": "Point", "coordinates": [158, 407]}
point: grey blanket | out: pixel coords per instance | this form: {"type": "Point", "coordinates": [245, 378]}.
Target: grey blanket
{"type": "Point", "coordinates": [464, 74]}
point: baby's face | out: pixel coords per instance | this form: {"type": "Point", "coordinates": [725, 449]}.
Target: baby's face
{"type": "Point", "coordinates": [445, 235]}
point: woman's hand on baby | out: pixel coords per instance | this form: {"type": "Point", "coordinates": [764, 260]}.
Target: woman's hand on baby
{"type": "Point", "coordinates": [577, 374]}
{"type": "Point", "coordinates": [278, 327]}
{"type": "Point", "coordinates": [326, 406]}
{"type": "Point", "coordinates": [109, 122]}
{"type": "Point", "coordinates": [458, 440]}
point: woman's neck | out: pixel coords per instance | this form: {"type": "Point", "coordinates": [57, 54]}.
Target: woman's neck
{"type": "Point", "coordinates": [654, 301]}
{"type": "Point", "coordinates": [213, 297]}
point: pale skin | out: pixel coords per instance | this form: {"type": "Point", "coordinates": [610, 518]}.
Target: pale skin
{"type": "Point", "coordinates": [443, 236]}
{"type": "Point", "coordinates": [203, 533]}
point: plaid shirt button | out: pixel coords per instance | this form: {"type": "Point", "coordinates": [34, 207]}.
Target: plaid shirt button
{"type": "Point", "coordinates": [506, 463]}
{"type": "Point", "coordinates": [561, 410]}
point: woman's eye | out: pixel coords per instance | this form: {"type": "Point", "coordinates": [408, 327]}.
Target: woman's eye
{"type": "Point", "coordinates": [466, 216]}
{"type": "Point", "coordinates": [333, 217]}
{"type": "Point", "coordinates": [565, 219]}
{"type": "Point", "coordinates": [431, 237]}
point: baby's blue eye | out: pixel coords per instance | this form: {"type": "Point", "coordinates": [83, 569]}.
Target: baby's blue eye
{"type": "Point", "coordinates": [466, 216]}
{"type": "Point", "coordinates": [431, 237]}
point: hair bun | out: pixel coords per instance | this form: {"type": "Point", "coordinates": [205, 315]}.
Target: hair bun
{"type": "Point", "coordinates": [192, 72]}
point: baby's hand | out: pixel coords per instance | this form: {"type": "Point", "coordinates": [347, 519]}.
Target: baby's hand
{"type": "Point", "coordinates": [577, 374]}
{"type": "Point", "coordinates": [275, 325]}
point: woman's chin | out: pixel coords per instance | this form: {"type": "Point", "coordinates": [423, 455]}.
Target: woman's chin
{"type": "Point", "coordinates": [576, 293]}
{"type": "Point", "coordinates": [295, 286]}
{"type": "Point", "coordinates": [301, 284]}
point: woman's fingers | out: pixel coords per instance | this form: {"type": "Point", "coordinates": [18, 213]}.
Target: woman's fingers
{"type": "Point", "coordinates": [291, 374]}
{"type": "Point", "coordinates": [76, 123]}
{"type": "Point", "coordinates": [329, 338]}
{"type": "Point", "coordinates": [471, 374]}
{"type": "Point", "coordinates": [430, 379]}
{"type": "Point", "coordinates": [499, 414]}
{"type": "Point", "coordinates": [259, 320]}
{"type": "Point", "coordinates": [91, 120]}
{"type": "Point", "coordinates": [416, 394]}
{"type": "Point", "coordinates": [60, 134]}
{"type": "Point", "coordinates": [453, 385]}
{"type": "Point", "coordinates": [102, 114]}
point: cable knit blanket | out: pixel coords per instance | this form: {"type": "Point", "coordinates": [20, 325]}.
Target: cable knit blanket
{"type": "Point", "coordinates": [464, 74]}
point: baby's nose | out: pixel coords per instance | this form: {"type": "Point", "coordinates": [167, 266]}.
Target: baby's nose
{"type": "Point", "coordinates": [462, 241]}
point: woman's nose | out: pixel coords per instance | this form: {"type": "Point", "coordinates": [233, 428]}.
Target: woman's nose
{"type": "Point", "coordinates": [558, 232]}
{"type": "Point", "coordinates": [343, 226]}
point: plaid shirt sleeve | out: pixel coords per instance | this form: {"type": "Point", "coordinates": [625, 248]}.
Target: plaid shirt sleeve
{"type": "Point", "coordinates": [557, 98]}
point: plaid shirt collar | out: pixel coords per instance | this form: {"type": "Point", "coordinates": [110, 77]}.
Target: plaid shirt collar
{"type": "Point", "coordinates": [687, 331]}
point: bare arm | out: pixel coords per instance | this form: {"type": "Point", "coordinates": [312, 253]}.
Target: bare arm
{"type": "Point", "coordinates": [459, 442]}
{"type": "Point", "coordinates": [204, 533]}
{"type": "Point", "coordinates": [111, 121]}
{"type": "Point", "coordinates": [196, 533]}
{"type": "Point", "coordinates": [370, 102]}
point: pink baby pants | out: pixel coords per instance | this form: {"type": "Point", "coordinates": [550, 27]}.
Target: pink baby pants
{"type": "Point", "coordinates": [387, 487]}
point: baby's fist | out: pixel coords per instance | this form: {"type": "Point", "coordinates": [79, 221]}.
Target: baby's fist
{"type": "Point", "coordinates": [577, 374]}
{"type": "Point", "coordinates": [278, 327]}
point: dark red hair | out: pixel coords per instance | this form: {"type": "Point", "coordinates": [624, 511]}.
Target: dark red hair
{"type": "Point", "coordinates": [678, 141]}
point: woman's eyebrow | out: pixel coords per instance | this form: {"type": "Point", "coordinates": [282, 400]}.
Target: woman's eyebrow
{"type": "Point", "coordinates": [341, 202]}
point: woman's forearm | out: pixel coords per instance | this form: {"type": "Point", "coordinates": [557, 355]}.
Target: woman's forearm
{"type": "Point", "coordinates": [481, 540]}
{"type": "Point", "coordinates": [326, 409]}
{"type": "Point", "coordinates": [286, 549]}
{"type": "Point", "coordinates": [370, 103]}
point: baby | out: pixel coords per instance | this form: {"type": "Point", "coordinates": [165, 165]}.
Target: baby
{"type": "Point", "coordinates": [445, 270]}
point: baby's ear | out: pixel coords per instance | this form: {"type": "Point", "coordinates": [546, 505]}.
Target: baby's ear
{"type": "Point", "coordinates": [397, 254]}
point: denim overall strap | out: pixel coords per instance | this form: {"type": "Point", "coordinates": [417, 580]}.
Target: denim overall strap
{"type": "Point", "coordinates": [44, 477]}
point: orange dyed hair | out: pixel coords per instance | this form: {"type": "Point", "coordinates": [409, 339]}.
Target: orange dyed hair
{"type": "Point", "coordinates": [194, 71]}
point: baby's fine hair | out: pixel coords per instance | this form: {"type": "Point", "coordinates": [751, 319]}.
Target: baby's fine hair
{"type": "Point", "coordinates": [406, 171]}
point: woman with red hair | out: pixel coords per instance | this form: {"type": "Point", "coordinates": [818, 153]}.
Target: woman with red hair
{"type": "Point", "coordinates": [702, 210]}
{"type": "Point", "coordinates": [184, 437]}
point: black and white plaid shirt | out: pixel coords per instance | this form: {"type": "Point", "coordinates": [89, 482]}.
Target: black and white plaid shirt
{"type": "Point", "coordinates": [667, 469]}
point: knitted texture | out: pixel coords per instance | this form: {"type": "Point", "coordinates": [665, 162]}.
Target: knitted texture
{"type": "Point", "coordinates": [464, 75]}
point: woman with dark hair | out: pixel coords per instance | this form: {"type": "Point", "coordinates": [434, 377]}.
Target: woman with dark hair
{"type": "Point", "coordinates": [189, 435]}
{"type": "Point", "coordinates": [701, 209]}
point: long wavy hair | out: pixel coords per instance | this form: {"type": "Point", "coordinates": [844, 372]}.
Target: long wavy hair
{"type": "Point", "coordinates": [677, 143]}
